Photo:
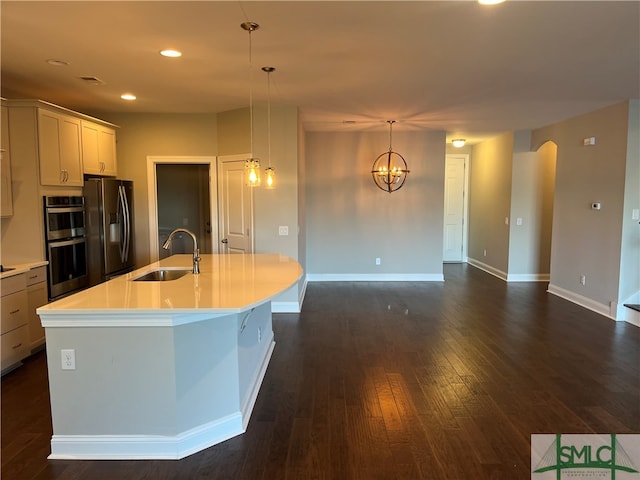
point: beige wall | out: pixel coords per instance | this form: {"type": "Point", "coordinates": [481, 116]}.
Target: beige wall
{"type": "Point", "coordinates": [490, 202]}
{"type": "Point", "coordinates": [585, 241]}
{"type": "Point", "coordinates": [350, 221]}
{"type": "Point", "coordinates": [143, 135]}
{"type": "Point", "coordinates": [630, 255]}
{"type": "Point", "coordinates": [533, 179]}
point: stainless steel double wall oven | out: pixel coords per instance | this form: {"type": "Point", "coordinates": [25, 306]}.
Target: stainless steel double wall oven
{"type": "Point", "coordinates": [66, 245]}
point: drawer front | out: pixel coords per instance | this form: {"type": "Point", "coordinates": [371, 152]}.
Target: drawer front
{"type": "Point", "coordinates": [14, 311]}
{"type": "Point", "coordinates": [13, 284]}
{"type": "Point", "coordinates": [36, 275]}
{"type": "Point", "coordinates": [14, 346]}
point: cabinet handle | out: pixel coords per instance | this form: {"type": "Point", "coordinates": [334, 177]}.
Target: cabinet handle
{"type": "Point", "coordinates": [17, 346]}
{"type": "Point", "coordinates": [14, 311]}
{"type": "Point", "coordinates": [32, 277]}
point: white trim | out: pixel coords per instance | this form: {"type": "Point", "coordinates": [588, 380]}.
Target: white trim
{"type": "Point", "coordinates": [487, 268]}
{"type": "Point", "coordinates": [152, 161]}
{"type": "Point", "coordinates": [625, 314]}
{"type": "Point", "coordinates": [285, 307]}
{"type": "Point", "coordinates": [528, 277]}
{"type": "Point", "coordinates": [585, 302]}
{"type": "Point", "coordinates": [146, 447]}
{"type": "Point", "coordinates": [509, 277]}
{"type": "Point", "coordinates": [375, 277]}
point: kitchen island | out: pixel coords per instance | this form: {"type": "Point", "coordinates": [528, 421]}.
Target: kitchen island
{"type": "Point", "coordinates": [162, 369]}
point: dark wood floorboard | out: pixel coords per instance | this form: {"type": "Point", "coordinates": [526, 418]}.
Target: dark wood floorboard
{"type": "Point", "coordinates": [390, 381]}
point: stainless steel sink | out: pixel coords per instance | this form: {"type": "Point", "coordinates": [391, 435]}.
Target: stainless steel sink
{"type": "Point", "coordinates": [162, 275]}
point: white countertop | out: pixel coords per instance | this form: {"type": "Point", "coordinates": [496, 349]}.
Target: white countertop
{"type": "Point", "coordinates": [21, 268]}
{"type": "Point", "coordinates": [227, 284]}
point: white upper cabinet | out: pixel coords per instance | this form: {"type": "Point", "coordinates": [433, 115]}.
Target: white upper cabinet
{"type": "Point", "coordinates": [6, 197]}
{"type": "Point", "coordinates": [98, 149]}
{"type": "Point", "coordinates": [60, 148]}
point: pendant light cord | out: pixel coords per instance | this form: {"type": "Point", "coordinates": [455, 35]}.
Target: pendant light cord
{"type": "Point", "coordinates": [269, 115]}
{"type": "Point", "coordinates": [250, 96]}
{"type": "Point", "coordinates": [390, 122]}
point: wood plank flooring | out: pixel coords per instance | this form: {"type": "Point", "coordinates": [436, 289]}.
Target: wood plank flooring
{"type": "Point", "coordinates": [391, 381]}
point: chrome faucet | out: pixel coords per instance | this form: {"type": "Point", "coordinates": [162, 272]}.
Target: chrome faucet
{"type": "Point", "coordinates": [196, 250]}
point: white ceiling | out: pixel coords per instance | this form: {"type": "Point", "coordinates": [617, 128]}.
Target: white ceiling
{"type": "Point", "coordinates": [471, 70]}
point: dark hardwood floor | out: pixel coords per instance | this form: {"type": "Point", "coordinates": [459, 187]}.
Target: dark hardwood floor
{"type": "Point", "coordinates": [391, 381]}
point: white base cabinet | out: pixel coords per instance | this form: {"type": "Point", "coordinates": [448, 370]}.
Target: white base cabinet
{"type": "Point", "coordinates": [36, 297]}
{"type": "Point", "coordinates": [13, 324]}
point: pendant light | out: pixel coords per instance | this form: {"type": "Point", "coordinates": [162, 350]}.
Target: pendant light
{"type": "Point", "coordinates": [252, 164]}
{"type": "Point", "coordinates": [269, 173]}
{"type": "Point", "coordinates": [389, 170]}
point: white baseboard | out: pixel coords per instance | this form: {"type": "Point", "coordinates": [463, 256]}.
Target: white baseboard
{"type": "Point", "coordinates": [509, 277]}
{"type": "Point", "coordinates": [585, 302]}
{"type": "Point", "coordinates": [375, 277]}
{"type": "Point", "coordinates": [145, 447]}
{"type": "Point", "coordinates": [528, 277]}
{"type": "Point", "coordinates": [487, 268]}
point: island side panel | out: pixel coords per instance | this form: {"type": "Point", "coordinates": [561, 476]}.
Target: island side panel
{"type": "Point", "coordinates": [255, 344]}
{"type": "Point", "coordinates": [123, 384]}
{"type": "Point", "coordinates": [207, 372]}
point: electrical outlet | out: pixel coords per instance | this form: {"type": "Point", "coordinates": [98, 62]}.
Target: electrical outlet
{"type": "Point", "coordinates": [68, 359]}
{"type": "Point", "coordinates": [259, 334]}
{"type": "Point", "coordinates": [378, 261]}
{"type": "Point", "coordinates": [283, 230]}
{"type": "Point", "coordinates": [485, 252]}
{"type": "Point", "coordinates": [583, 280]}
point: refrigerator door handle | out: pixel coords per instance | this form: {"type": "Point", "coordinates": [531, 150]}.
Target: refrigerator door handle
{"type": "Point", "coordinates": [126, 227]}
{"type": "Point", "coordinates": [121, 218]}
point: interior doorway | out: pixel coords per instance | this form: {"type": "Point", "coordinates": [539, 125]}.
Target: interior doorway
{"type": "Point", "coordinates": [182, 193]}
{"type": "Point", "coordinates": [454, 245]}
{"type": "Point", "coordinates": [183, 201]}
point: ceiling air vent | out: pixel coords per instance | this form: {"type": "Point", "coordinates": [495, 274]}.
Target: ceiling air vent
{"type": "Point", "coordinates": [93, 80]}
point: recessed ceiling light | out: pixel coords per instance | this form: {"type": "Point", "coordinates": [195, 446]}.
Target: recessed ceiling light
{"type": "Point", "coordinates": [490, 2]}
{"type": "Point", "coordinates": [57, 63]}
{"type": "Point", "coordinates": [128, 96]}
{"type": "Point", "coordinates": [171, 53]}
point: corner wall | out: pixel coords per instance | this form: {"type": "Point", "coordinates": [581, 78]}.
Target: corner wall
{"type": "Point", "coordinates": [586, 241]}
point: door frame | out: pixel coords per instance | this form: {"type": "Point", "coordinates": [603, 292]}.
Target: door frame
{"type": "Point", "coordinates": [152, 181]}
{"type": "Point", "coordinates": [465, 203]}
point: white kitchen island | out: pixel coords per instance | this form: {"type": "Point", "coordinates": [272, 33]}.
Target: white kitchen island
{"type": "Point", "coordinates": [163, 369]}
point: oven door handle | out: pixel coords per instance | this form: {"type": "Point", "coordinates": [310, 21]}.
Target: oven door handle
{"type": "Point", "coordinates": [66, 243]}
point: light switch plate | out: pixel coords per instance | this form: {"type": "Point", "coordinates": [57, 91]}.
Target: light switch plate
{"type": "Point", "coordinates": [283, 231]}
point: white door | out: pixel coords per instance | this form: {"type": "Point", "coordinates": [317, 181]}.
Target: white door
{"type": "Point", "coordinates": [236, 206]}
{"type": "Point", "coordinates": [454, 208]}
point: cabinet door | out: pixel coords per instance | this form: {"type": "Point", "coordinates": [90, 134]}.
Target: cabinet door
{"type": "Point", "coordinates": [36, 297]}
{"type": "Point", "coordinates": [107, 151]}
{"type": "Point", "coordinates": [98, 149]}
{"type": "Point", "coordinates": [6, 197]}
{"type": "Point", "coordinates": [70, 151]}
{"type": "Point", "coordinates": [59, 149]}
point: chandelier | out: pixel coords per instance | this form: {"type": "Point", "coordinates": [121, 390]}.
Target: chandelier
{"type": "Point", "coordinates": [251, 164]}
{"type": "Point", "coordinates": [389, 170]}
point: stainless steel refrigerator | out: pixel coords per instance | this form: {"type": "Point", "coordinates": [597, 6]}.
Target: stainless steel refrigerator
{"type": "Point", "coordinates": [109, 229]}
